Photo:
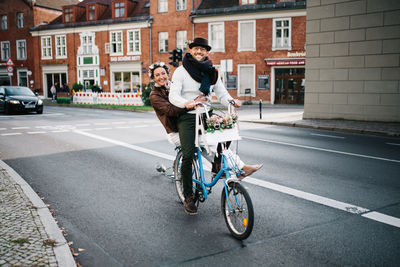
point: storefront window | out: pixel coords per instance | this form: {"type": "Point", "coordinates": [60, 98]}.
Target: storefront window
{"type": "Point", "coordinates": [126, 82]}
{"type": "Point", "coordinates": [22, 78]}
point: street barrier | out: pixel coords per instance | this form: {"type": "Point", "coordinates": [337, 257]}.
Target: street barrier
{"type": "Point", "coordinates": [124, 99]}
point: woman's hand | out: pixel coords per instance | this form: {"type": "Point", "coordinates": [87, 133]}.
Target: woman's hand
{"type": "Point", "coordinates": [191, 104]}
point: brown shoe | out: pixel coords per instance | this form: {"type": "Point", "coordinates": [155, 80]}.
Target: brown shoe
{"type": "Point", "coordinates": [189, 205]}
{"type": "Point", "coordinates": [249, 169]}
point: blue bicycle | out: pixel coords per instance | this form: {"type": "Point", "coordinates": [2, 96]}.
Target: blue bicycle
{"type": "Point", "coordinates": [236, 204]}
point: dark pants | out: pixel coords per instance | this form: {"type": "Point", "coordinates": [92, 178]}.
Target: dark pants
{"type": "Point", "coordinates": [187, 128]}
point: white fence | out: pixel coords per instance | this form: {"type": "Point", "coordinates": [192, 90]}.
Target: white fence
{"type": "Point", "coordinates": [128, 99]}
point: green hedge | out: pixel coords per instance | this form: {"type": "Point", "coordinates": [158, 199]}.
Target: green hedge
{"type": "Point", "coordinates": [63, 100]}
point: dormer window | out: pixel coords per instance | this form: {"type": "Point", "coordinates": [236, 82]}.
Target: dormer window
{"type": "Point", "coordinates": [247, 2]}
{"type": "Point", "coordinates": [91, 12]}
{"type": "Point", "coordinates": [119, 9]}
{"type": "Point", "coordinates": [68, 15]}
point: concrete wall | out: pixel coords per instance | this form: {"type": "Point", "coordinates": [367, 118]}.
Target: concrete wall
{"type": "Point", "coordinates": [353, 60]}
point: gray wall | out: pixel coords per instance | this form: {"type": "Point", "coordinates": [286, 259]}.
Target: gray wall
{"type": "Point", "coordinates": [353, 60]}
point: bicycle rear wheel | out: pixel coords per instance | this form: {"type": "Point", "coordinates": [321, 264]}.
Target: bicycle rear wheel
{"type": "Point", "coordinates": [178, 177]}
{"type": "Point", "coordinates": [240, 218]}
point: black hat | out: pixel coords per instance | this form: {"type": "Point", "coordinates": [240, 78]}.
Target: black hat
{"type": "Point", "coordinates": [200, 42]}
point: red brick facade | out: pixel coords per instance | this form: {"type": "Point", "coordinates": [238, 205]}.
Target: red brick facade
{"type": "Point", "coordinates": [115, 70]}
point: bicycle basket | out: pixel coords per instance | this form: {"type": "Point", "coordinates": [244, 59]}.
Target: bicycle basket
{"type": "Point", "coordinates": [221, 127]}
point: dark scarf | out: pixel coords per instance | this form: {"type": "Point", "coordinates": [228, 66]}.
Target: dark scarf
{"type": "Point", "coordinates": [201, 71]}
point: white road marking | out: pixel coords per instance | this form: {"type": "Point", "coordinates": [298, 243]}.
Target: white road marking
{"type": "Point", "coordinates": [102, 129]}
{"type": "Point", "coordinates": [373, 215]}
{"type": "Point", "coordinates": [322, 149]}
{"type": "Point", "coordinates": [82, 124]}
{"type": "Point", "coordinates": [20, 128]}
{"type": "Point", "coordinates": [3, 129]}
{"type": "Point", "coordinates": [100, 123]}
{"type": "Point", "coordinates": [38, 132]}
{"type": "Point", "coordinates": [9, 134]}
{"type": "Point", "coordinates": [60, 131]}
{"type": "Point", "coordinates": [123, 127]}
{"type": "Point", "coordinates": [123, 144]}
{"type": "Point", "coordinates": [140, 126]}
{"type": "Point", "coordinates": [118, 122]}
{"type": "Point", "coordinates": [393, 144]}
{"type": "Point", "coordinates": [330, 136]}
{"type": "Point", "coordinates": [383, 218]}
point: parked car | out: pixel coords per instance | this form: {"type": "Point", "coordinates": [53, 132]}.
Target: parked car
{"type": "Point", "coordinates": [19, 99]}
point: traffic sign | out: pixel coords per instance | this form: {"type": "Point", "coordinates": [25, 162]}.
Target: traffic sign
{"type": "Point", "coordinates": [10, 69]}
{"type": "Point", "coordinates": [10, 62]}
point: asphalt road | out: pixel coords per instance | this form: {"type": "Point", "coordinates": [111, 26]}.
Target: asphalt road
{"type": "Point", "coordinates": [321, 199]}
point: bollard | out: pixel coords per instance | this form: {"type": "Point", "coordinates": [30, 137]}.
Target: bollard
{"type": "Point", "coordinates": [260, 109]}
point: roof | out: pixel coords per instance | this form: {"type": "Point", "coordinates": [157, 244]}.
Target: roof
{"type": "Point", "coordinates": [55, 4]}
{"type": "Point", "coordinates": [139, 13]}
{"type": "Point", "coordinates": [212, 7]}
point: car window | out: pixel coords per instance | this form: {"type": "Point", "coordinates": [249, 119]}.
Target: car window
{"type": "Point", "coordinates": [19, 91]}
{"type": "Point", "coordinates": [2, 91]}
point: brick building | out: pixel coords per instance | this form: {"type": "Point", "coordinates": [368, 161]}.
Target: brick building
{"type": "Point", "coordinates": [15, 40]}
{"type": "Point", "coordinates": [258, 46]}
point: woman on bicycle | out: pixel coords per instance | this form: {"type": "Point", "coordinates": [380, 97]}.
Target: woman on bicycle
{"type": "Point", "coordinates": [197, 77]}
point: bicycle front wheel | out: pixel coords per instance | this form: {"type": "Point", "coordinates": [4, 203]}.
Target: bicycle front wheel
{"type": "Point", "coordinates": [239, 214]}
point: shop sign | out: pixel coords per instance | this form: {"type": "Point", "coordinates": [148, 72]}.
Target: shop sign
{"type": "Point", "coordinates": [125, 58]}
{"type": "Point", "coordinates": [285, 62]}
{"type": "Point", "coordinates": [296, 54]}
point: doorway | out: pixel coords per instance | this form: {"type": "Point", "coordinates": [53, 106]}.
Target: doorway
{"type": "Point", "coordinates": [52, 78]}
{"type": "Point", "coordinates": [289, 86]}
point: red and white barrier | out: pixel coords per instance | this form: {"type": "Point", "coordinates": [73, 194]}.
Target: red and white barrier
{"type": "Point", "coordinates": [125, 99]}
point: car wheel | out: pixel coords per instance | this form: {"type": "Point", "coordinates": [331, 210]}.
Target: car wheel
{"type": "Point", "coordinates": [6, 109]}
{"type": "Point", "coordinates": [39, 111]}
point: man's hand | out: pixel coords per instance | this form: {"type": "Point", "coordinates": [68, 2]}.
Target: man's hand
{"type": "Point", "coordinates": [238, 103]}
{"type": "Point", "coordinates": [191, 104]}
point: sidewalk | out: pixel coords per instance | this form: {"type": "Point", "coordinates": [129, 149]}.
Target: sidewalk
{"type": "Point", "coordinates": [29, 235]}
{"type": "Point", "coordinates": [291, 115]}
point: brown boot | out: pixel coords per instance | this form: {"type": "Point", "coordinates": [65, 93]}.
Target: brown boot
{"type": "Point", "coordinates": [189, 205]}
{"type": "Point", "coordinates": [249, 169]}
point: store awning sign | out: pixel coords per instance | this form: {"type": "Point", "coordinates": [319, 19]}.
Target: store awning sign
{"type": "Point", "coordinates": [285, 62]}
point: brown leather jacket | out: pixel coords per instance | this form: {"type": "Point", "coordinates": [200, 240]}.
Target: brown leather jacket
{"type": "Point", "coordinates": [165, 111]}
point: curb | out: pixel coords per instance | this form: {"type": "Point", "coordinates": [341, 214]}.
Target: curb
{"type": "Point", "coordinates": [61, 249]}
{"type": "Point", "coordinates": [328, 128]}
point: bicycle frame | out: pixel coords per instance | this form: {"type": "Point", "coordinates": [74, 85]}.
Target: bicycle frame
{"type": "Point", "coordinates": [204, 185]}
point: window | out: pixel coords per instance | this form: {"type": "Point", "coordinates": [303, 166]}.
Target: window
{"type": "Point", "coordinates": [216, 35]}
{"type": "Point", "coordinates": [61, 47]}
{"type": "Point", "coordinates": [247, 2]}
{"type": "Point", "coordinates": [231, 82]}
{"type": "Point", "coordinates": [134, 41]}
{"type": "Point", "coordinates": [162, 42]}
{"type": "Point", "coordinates": [3, 22]}
{"type": "Point", "coordinates": [5, 50]}
{"type": "Point", "coordinates": [180, 5]}
{"type": "Point", "coordinates": [22, 78]}
{"type": "Point", "coordinates": [21, 49]}
{"type": "Point", "coordinates": [119, 9]}
{"type": "Point", "coordinates": [263, 82]}
{"type": "Point", "coordinates": [116, 43]}
{"type": "Point", "coordinates": [20, 20]}
{"type": "Point", "coordinates": [46, 47]}
{"type": "Point", "coordinates": [91, 15]}
{"type": "Point", "coordinates": [87, 44]}
{"type": "Point", "coordinates": [162, 6]}
{"type": "Point", "coordinates": [125, 82]}
{"type": "Point", "coordinates": [68, 15]}
{"type": "Point", "coordinates": [246, 80]}
{"type": "Point", "coordinates": [281, 34]}
{"type": "Point", "coordinates": [181, 40]}
{"type": "Point", "coordinates": [247, 36]}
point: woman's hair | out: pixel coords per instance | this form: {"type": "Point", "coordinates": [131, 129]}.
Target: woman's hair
{"type": "Point", "coordinates": [156, 65]}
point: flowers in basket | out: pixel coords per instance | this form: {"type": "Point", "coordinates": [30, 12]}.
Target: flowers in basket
{"type": "Point", "coordinates": [220, 122]}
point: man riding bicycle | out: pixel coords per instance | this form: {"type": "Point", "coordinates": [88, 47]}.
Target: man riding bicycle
{"type": "Point", "coordinates": [197, 77]}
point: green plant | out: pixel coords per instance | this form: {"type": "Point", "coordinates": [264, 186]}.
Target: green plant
{"type": "Point", "coordinates": [77, 86]}
{"type": "Point", "coordinates": [146, 90]}
{"type": "Point", "coordinates": [63, 100]}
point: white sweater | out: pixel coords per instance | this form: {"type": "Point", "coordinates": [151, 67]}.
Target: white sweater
{"type": "Point", "coordinates": [185, 88]}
